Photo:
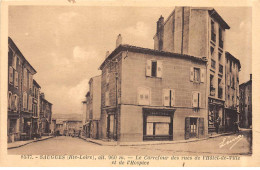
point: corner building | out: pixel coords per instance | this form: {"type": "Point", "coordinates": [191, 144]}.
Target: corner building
{"type": "Point", "coordinates": [199, 32]}
{"type": "Point", "coordinates": [149, 94]}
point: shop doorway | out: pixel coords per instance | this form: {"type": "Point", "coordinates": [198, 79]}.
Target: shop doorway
{"type": "Point", "coordinates": [111, 126]}
{"type": "Point", "coordinates": [194, 127]}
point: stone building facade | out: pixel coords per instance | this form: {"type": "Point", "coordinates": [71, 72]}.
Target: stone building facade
{"type": "Point", "coordinates": [199, 32]}
{"type": "Point", "coordinates": [36, 108]}
{"type": "Point", "coordinates": [149, 94]}
{"type": "Point", "coordinates": [20, 91]}
{"type": "Point", "coordinates": [93, 108]}
{"type": "Point", "coordinates": [45, 115]}
{"type": "Point", "coordinates": [245, 104]}
{"type": "Point", "coordinates": [232, 68]}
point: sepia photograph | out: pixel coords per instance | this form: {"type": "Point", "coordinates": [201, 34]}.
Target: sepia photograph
{"type": "Point", "coordinates": [129, 80]}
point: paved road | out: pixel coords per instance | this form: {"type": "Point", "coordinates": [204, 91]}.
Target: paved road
{"type": "Point", "coordinates": [75, 146]}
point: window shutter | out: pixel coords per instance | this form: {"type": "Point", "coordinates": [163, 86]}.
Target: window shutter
{"type": "Point", "coordinates": [228, 80]}
{"type": "Point", "coordinates": [159, 68]}
{"type": "Point", "coordinates": [13, 102]}
{"type": "Point", "coordinates": [199, 96]}
{"type": "Point", "coordinates": [166, 97]}
{"type": "Point", "coordinates": [25, 77]}
{"type": "Point", "coordinates": [14, 62]}
{"type": "Point", "coordinates": [16, 79]}
{"type": "Point", "coordinates": [16, 103]}
{"type": "Point", "coordinates": [172, 97]}
{"type": "Point", "coordinates": [9, 100]}
{"type": "Point", "coordinates": [187, 127]}
{"type": "Point", "coordinates": [191, 74]}
{"type": "Point", "coordinates": [11, 74]}
{"type": "Point", "coordinates": [201, 127]}
{"type": "Point", "coordinates": [146, 96]}
{"type": "Point", "coordinates": [30, 103]}
{"type": "Point", "coordinates": [143, 96]}
{"type": "Point", "coordinates": [195, 99]}
{"type": "Point", "coordinates": [25, 100]}
{"type": "Point", "coordinates": [148, 68]}
{"type": "Point", "coordinates": [107, 99]}
{"type": "Point", "coordinates": [202, 75]}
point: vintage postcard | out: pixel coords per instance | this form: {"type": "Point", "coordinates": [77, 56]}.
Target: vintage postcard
{"type": "Point", "coordinates": [129, 84]}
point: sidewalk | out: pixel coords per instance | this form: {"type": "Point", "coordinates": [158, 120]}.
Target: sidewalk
{"type": "Point", "coordinates": [114, 143]}
{"type": "Point", "coordinates": [18, 144]}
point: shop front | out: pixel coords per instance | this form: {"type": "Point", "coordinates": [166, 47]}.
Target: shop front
{"type": "Point", "coordinates": [158, 124]}
{"type": "Point", "coordinates": [231, 117]}
{"type": "Point", "coordinates": [216, 119]}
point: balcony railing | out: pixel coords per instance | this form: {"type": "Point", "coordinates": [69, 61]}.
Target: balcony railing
{"type": "Point", "coordinates": [220, 93]}
{"type": "Point", "coordinates": [213, 36]}
{"type": "Point", "coordinates": [213, 63]}
{"type": "Point", "coordinates": [220, 69]}
{"type": "Point", "coordinates": [221, 43]}
{"type": "Point", "coordinates": [212, 91]}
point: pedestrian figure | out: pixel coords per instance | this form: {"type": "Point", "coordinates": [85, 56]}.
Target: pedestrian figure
{"type": "Point", "coordinates": [217, 123]}
{"type": "Point", "coordinates": [236, 125]}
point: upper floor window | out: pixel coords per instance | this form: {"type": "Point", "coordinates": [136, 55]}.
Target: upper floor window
{"type": "Point", "coordinates": [25, 77]}
{"type": "Point", "coordinates": [213, 34]}
{"type": "Point", "coordinates": [107, 98]}
{"type": "Point", "coordinates": [30, 81]}
{"type": "Point", "coordinates": [143, 94]}
{"type": "Point", "coordinates": [9, 100]}
{"type": "Point", "coordinates": [25, 100]}
{"type": "Point", "coordinates": [107, 75]}
{"type": "Point", "coordinates": [220, 38]}
{"type": "Point", "coordinates": [14, 61]}
{"type": "Point", "coordinates": [11, 75]}
{"type": "Point", "coordinates": [196, 99]}
{"type": "Point", "coordinates": [154, 68]}
{"type": "Point", "coordinates": [15, 79]}
{"type": "Point", "coordinates": [197, 74]}
{"type": "Point", "coordinates": [168, 97]}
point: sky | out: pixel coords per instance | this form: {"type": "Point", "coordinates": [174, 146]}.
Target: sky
{"type": "Point", "coordinates": [66, 45]}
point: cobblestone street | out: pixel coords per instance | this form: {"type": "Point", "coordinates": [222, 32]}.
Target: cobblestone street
{"type": "Point", "coordinates": [236, 144]}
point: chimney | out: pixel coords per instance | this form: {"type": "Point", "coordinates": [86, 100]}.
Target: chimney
{"type": "Point", "coordinates": [42, 95]}
{"type": "Point", "coordinates": [118, 40]}
{"type": "Point", "coordinates": [107, 54]}
{"type": "Point", "coordinates": [250, 76]}
{"type": "Point", "coordinates": [160, 23]}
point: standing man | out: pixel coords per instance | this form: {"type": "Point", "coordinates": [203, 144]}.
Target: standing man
{"type": "Point", "coordinates": [217, 123]}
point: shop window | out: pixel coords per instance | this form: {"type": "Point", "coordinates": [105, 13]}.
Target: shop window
{"type": "Point", "coordinates": [143, 96]}
{"type": "Point", "coordinates": [197, 75]}
{"type": "Point", "coordinates": [154, 68]}
{"type": "Point", "coordinates": [168, 97]}
{"type": "Point", "coordinates": [158, 125]}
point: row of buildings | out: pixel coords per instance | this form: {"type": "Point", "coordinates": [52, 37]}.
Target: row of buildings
{"type": "Point", "coordinates": [29, 113]}
{"type": "Point", "coordinates": [186, 87]}
{"type": "Point", "coordinates": [68, 125]}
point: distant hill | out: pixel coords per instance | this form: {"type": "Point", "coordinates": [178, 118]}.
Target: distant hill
{"type": "Point", "coordinates": [73, 116]}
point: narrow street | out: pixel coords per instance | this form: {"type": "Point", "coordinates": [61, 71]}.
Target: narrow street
{"type": "Point", "coordinates": [239, 145]}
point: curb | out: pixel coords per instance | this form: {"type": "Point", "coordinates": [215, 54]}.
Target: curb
{"type": "Point", "coordinates": [170, 142]}
{"type": "Point", "coordinates": [13, 147]}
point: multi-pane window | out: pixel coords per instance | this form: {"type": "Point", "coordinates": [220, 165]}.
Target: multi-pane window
{"type": "Point", "coordinates": [220, 38]}
{"type": "Point", "coordinates": [143, 96]}
{"type": "Point", "coordinates": [30, 81]}
{"type": "Point", "coordinates": [197, 74]}
{"type": "Point", "coordinates": [14, 61]}
{"type": "Point", "coordinates": [168, 97]}
{"type": "Point", "coordinates": [154, 68]}
{"type": "Point", "coordinates": [213, 34]}
{"type": "Point", "coordinates": [9, 100]}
